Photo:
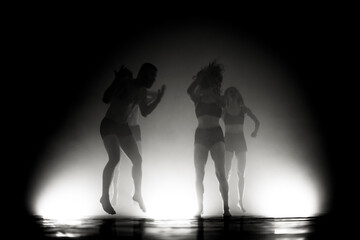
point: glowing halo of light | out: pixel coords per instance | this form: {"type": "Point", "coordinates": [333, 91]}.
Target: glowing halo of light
{"type": "Point", "coordinates": [170, 196]}
{"type": "Point", "coordinates": [175, 205]}
{"type": "Point", "coordinates": [65, 200]}
{"type": "Point", "coordinates": [287, 192]}
{"type": "Point", "coordinates": [282, 197]}
{"type": "Point", "coordinates": [272, 187]}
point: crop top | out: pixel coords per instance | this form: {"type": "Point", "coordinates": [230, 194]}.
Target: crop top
{"type": "Point", "coordinates": [212, 109]}
{"type": "Point", "coordinates": [234, 119]}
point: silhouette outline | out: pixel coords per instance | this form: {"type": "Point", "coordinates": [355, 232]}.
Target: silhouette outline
{"type": "Point", "coordinates": [134, 125]}
{"type": "Point", "coordinates": [233, 116]}
{"type": "Point", "coordinates": [122, 96]}
{"type": "Point", "coordinates": [204, 91]}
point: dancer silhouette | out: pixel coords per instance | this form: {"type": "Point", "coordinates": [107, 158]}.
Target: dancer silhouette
{"type": "Point", "coordinates": [233, 116]}
{"type": "Point", "coordinates": [123, 95]}
{"type": "Point", "coordinates": [204, 91]}
{"type": "Point", "coordinates": [134, 125]}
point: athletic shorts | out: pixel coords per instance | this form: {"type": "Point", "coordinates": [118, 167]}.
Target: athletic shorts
{"type": "Point", "coordinates": [109, 127]}
{"type": "Point", "coordinates": [235, 142]}
{"type": "Point", "coordinates": [209, 136]}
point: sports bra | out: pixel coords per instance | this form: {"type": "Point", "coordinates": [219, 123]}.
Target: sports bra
{"type": "Point", "coordinates": [234, 119]}
{"type": "Point", "coordinates": [212, 109]}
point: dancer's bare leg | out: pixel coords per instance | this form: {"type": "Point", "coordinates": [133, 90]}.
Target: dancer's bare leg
{"type": "Point", "coordinates": [111, 144]}
{"type": "Point", "coordinates": [218, 155]}
{"type": "Point", "coordinates": [228, 162]}
{"type": "Point", "coordinates": [200, 159]}
{"type": "Point", "coordinates": [114, 185]}
{"type": "Point", "coordinates": [129, 146]}
{"type": "Point", "coordinates": [241, 163]}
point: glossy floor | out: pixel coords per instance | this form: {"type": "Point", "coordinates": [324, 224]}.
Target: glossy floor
{"type": "Point", "coordinates": [200, 229]}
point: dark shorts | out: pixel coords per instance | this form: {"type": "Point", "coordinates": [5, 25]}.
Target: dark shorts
{"type": "Point", "coordinates": [109, 127]}
{"type": "Point", "coordinates": [135, 129]}
{"type": "Point", "coordinates": [209, 136]}
{"type": "Point", "coordinates": [235, 142]}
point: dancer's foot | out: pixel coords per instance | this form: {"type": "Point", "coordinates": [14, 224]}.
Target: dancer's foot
{"type": "Point", "coordinates": [227, 213]}
{"type": "Point", "coordinates": [105, 202]}
{"type": "Point", "coordinates": [140, 201]}
{"type": "Point", "coordinates": [241, 207]}
{"type": "Point", "coordinates": [199, 213]}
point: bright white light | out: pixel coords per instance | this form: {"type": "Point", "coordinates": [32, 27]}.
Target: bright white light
{"type": "Point", "coordinates": [291, 227]}
{"type": "Point", "coordinates": [277, 181]}
{"type": "Point", "coordinates": [66, 198]}
{"type": "Point", "coordinates": [171, 199]}
{"type": "Point", "coordinates": [287, 193]}
{"type": "Point", "coordinates": [276, 191]}
{"type": "Point", "coordinates": [66, 235]}
{"type": "Point", "coordinates": [170, 227]}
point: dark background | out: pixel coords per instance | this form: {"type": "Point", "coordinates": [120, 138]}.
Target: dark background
{"type": "Point", "coordinates": [56, 50]}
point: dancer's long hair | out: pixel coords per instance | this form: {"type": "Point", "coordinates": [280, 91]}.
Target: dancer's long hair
{"type": "Point", "coordinates": [239, 98]}
{"type": "Point", "coordinates": [211, 75]}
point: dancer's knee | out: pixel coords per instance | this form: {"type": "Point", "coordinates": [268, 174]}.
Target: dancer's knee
{"type": "Point", "coordinates": [241, 175]}
{"type": "Point", "coordinates": [221, 176]}
{"type": "Point", "coordinates": [112, 162]}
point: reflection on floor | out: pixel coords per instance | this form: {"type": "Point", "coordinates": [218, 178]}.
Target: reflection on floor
{"type": "Point", "coordinates": [245, 227]}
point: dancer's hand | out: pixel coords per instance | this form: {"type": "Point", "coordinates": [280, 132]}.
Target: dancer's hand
{"type": "Point", "coordinates": [254, 134]}
{"type": "Point", "coordinates": [161, 92]}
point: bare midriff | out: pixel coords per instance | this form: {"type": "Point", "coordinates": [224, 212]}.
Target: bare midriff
{"type": "Point", "coordinates": [207, 121]}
